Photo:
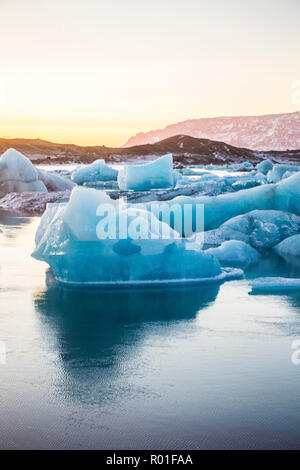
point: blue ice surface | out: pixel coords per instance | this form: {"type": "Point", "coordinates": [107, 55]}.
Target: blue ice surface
{"type": "Point", "coordinates": [96, 171]}
{"type": "Point", "coordinates": [283, 196]}
{"type": "Point", "coordinates": [249, 181]}
{"type": "Point", "coordinates": [262, 229]}
{"type": "Point", "coordinates": [264, 167]}
{"type": "Point", "coordinates": [158, 174]}
{"type": "Point", "coordinates": [235, 253]}
{"type": "Point", "coordinates": [289, 249]}
{"type": "Point", "coordinates": [68, 240]}
{"type": "Point", "coordinates": [273, 285]}
{"type": "Point", "coordinates": [278, 171]}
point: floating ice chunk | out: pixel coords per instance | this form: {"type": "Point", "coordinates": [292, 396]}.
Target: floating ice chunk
{"type": "Point", "coordinates": [273, 285]}
{"type": "Point", "coordinates": [54, 182]}
{"type": "Point", "coordinates": [264, 167]}
{"type": "Point", "coordinates": [72, 241]}
{"type": "Point", "coordinates": [283, 196]}
{"type": "Point", "coordinates": [15, 166]}
{"type": "Point", "coordinates": [261, 229]}
{"type": "Point", "coordinates": [235, 253]}
{"type": "Point", "coordinates": [250, 181]}
{"type": "Point", "coordinates": [277, 172]}
{"type": "Point", "coordinates": [18, 174]}
{"type": "Point", "coordinates": [154, 175]}
{"type": "Point", "coordinates": [289, 249]}
{"type": "Point", "coordinates": [96, 171]}
{"type": "Point", "coordinates": [247, 166]}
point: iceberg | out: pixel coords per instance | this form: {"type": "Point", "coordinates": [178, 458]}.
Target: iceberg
{"type": "Point", "coordinates": [154, 175]}
{"type": "Point", "coordinates": [235, 253]}
{"type": "Point", "coordinates": [283, 196]}
{"type": "Point", "coordinates": [260, 229]}
{"type": "Point", "coordinates": [273, 285]}
{"type": "Point", "coordinates": [96, 171]}
{"type": "Point", "coordinates": [95, 241]}
{"type": "Point", "coordinates": [289, 249]}
{"type": "Point", "coordinates": [264, 167]}
{"type": "Point", "coordinates": [55, 182]}
{"type": "Point", "coordinates": [249, 181]}
{"type": "Point", "coordinates": [278, 171]}
{"type": "Point", "coordinates": [18, 174]}
{"type": "Point", "coordinates": [246, 166]}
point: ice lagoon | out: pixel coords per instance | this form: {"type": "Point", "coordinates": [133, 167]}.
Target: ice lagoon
{"type": "Point", "coordinates": [191, 367]}
{"type": "Point", "coordinates": [187, 367]}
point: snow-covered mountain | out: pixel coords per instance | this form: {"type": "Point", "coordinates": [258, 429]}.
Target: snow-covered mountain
{"type": "Point", "coordinates": [268, 132]}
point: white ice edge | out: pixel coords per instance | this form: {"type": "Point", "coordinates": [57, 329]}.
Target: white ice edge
{"type": "Point", "coordinates": [227, 274]}
{"type": "Point", "coordinates": [274, 284]}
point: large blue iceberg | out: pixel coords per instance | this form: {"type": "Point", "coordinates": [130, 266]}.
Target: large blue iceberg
{"type": "Point", "coordinates": [87, 242]}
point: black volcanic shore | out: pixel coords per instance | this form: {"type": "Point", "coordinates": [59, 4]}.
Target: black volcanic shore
{"type": "Point", "coordinates": [186, 151]}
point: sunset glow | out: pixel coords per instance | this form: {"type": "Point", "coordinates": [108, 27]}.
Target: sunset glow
{"type": "Point", "coordinates": [97, 72]}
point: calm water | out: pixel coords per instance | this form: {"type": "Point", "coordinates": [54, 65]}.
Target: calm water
{"type": "Point", "coordinates": [171, 368]}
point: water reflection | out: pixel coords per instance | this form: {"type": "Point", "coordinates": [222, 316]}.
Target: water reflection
{"type": "Point", "coordinates": [91, 325]}
{"type": "Point", "coordinates": [10, 219]}
{"type": "Point", "coordinates": [272, 265]}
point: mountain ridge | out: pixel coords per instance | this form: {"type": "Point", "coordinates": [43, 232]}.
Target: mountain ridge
{"type": "Point", "coordinates": [186, 150]}
{"type": "Point", "coordinates": [263, 132]}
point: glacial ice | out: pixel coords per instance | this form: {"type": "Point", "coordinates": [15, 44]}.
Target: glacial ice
{"type": "Point", "coordinates": [54, 182]}
{"type": "Point", "coordinates": [283, 196]}
{"type": "Point", "coordinates": [72, 239]}
{"type": "Point", "coordinates": [96, 171]}
{"type": "Point", "coordinates": [278, 171]}
{"type": "Point", "coordinates": [248, 181]}
{"type": "Point", "coordinates": [154, 175]}
{"type": "Point", "coordinates": [235, 253]}
{"type": "Point", "coordinates": [289, 249]}
{"type": "Point", "coordinates": [260, 229]}
{"type": "Point", "coordinates": [264, 167]}
{"type": "Point", "coordinates": [273, 285]}
{"type": "Point", "coordinates": [18, 174]}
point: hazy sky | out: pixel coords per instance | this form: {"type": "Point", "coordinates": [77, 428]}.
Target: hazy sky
{"type": "Point", "coordinates": [98, 71]}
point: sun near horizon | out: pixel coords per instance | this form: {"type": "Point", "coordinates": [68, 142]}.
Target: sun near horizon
{"type": "Point", "coordinates": [104, 73]}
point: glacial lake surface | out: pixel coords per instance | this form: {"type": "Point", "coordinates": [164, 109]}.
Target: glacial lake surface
{"type": "Point", "coordinates": [203, 367]}
{"type": "Point", "coordinates": [178, 368]}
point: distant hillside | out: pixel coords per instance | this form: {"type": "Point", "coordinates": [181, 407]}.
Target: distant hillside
{"type": "Point", "coordinates": [268, 132]}
{"type": "Point", "coordinates": [186, 151]}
